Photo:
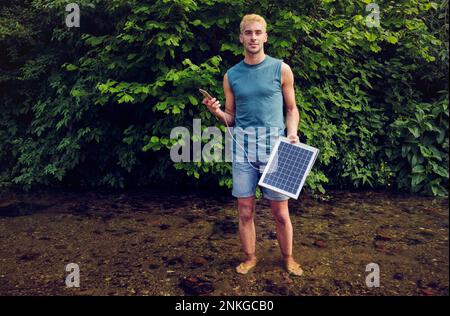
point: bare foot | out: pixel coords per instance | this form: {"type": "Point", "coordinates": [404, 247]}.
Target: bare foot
{"type": "Point", "coordinates": [293, 267]}
{"type": "Point", "coordinates": [246, 266]}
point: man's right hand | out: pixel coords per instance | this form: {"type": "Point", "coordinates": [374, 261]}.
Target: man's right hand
{"type": "Point", "coordinates": [213, 105]}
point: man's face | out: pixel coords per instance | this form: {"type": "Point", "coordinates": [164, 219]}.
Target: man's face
{"type": "Point", "coordinates": [253, 37]}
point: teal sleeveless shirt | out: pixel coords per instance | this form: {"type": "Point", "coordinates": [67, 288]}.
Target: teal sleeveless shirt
{"type": "Point", "coordinates": [258, 104]}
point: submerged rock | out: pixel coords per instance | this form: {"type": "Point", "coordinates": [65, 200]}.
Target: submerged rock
{"type": "Point", "coordinates": [194, 285]}
{"type": "Point", "coordinates": [320, 243]}
{"type": "Point", "coordinates": [29, 256]}
{"type": "Point", "coordinates": [278, 289]}
{"type": "Point", "coordinates": [164, 226]}
{"type": "Point", "coordinates": [225, 227]}
{"type": "Point", "coordinates": [198, 262]}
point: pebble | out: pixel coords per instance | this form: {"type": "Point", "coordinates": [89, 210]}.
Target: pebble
{"type": "Point", "coordinates": [199, 261]}
{"type": "Point", "coordinates": [427, 292]}
{"type": "Point", "coordinates": [320, 244]}
{"type": "Point", "coordinates": [398, 276]}
{"type": "Point", "coordinates": [196, 285]}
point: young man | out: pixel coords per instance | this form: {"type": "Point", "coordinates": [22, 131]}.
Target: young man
{"type": "Point", "coordinates": [255, 90]}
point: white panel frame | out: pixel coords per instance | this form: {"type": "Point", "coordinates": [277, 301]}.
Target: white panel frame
{"type": "Point", "coordinates": [271, 158]}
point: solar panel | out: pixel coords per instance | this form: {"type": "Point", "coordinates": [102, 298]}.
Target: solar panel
{"type": "Point", "coordinates": [288, 166]}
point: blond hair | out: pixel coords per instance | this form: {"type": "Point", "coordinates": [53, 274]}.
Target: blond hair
{"type": "Point", "coordinates": [252, 18]}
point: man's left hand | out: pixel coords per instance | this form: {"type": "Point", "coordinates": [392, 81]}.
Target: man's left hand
{"type": "Point", "coordinates": [293, 138]}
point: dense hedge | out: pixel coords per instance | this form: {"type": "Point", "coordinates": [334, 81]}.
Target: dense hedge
{"type": "Point", "coordinates": [94, 105]}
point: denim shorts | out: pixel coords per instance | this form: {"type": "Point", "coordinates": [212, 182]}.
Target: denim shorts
{"type": "Point", "coordinates": [245, 180]}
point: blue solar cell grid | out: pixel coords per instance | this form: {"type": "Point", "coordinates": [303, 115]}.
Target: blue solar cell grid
{"type": "Point", "coordinates": [288, 171]}
{"type": "Point", "coordinates": [288, 167]}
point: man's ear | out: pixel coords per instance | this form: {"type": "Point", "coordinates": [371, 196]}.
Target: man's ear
{"type": "Point", "coordinates": [266, 37]}
{"type": "Point", "coordinates": [241, 39]}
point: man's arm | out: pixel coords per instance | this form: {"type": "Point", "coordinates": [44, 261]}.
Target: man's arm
{"type": "Point", "coordinates": [292, 114]}
{"type": "Point", "coordinates": [214, 105]}
{"type": "Point", "coordinates": [229, 101]}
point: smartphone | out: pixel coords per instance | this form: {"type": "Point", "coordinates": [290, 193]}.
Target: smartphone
{"type": "Point", "coordinates": [205, 94]}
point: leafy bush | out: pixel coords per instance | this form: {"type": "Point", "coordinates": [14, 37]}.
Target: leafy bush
{"type": "Point", "coordinates": [95, 105]}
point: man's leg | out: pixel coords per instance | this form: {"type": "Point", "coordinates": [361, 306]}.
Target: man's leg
{"type": "Point", "coordinates": [246, 207]}
{"type": "Point", "coordinates": [280, 211]}
{"type": "Point", "coordinates": [245, 179]}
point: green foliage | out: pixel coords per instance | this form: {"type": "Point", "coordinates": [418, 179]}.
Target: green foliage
{"type": "Point", "coordinates": [95, 105]}
{"type": "Point", "coordinates": [418, 147]}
